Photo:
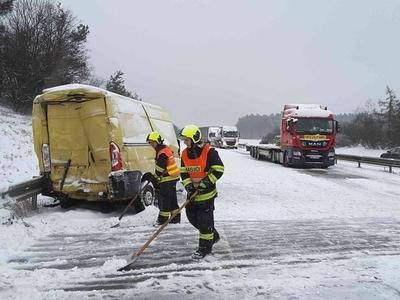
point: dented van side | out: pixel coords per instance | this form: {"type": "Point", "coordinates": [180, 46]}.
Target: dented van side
{"type": "Point", "coordinates": [91, 144]}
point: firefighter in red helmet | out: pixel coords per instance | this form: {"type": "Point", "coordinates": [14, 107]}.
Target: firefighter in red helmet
{"type": "Point", "coordinates": [165, 179]}
{"type": "Point", "coordinates": [201, 167]}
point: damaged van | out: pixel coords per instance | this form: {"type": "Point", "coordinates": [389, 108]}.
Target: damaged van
{"type": "Point", "coordinates": [91, 143]}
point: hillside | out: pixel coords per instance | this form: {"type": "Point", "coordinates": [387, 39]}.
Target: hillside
{"type": "Point", "coordinates": [18, 159]}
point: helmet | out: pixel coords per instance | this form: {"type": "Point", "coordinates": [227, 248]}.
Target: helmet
{"type": "Point", "coordinates": [192, 132]}
{"type": "Point", "coordinates": [154, 136]}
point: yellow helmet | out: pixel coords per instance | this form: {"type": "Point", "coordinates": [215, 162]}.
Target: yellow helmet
{"type": "Point", "coordinates": [191, 132]}
{"type": "Point", "coordinates": [154, 136]}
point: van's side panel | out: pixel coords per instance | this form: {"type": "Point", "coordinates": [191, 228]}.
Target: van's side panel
{"type": "Point", "coordinates": [161, 122]}
{"type": "Point", "coordinates": [130, 121]}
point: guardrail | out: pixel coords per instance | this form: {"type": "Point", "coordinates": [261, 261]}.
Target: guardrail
{"type": "Point", "coordinates": [388, 162]}
{"type": "Point", "coordinates": [24, 191]}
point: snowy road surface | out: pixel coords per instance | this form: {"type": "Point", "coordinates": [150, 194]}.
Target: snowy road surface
{"type": "Point", "coordinates": [286, 233]}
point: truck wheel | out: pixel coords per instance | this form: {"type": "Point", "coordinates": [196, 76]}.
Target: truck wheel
{"type": "Point", "coordinates": [147, 196]}
{"type": "Point", "coordinates": [285, 160]}
{"type": "Point", "coordinates": [257, 154]}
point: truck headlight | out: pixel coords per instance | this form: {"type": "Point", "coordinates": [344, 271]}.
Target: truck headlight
{"type": "Point", "coordinates": [46, 157]}
{"type": "Point", "coordinates": [296, 153]}
{"type": "Point", "coordinates": [331, 154]}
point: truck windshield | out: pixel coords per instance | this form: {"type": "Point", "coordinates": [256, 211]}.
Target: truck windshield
{"type": "Point", "coordinates": [314, 125]}
{"type": "Point", "coordinates": [230, 133]}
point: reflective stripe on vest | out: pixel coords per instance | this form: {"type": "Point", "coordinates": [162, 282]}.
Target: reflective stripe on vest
{"type": "Point", "coordinates": [172, 170]}
{"type": "Point", "coordinates": [195, 167]}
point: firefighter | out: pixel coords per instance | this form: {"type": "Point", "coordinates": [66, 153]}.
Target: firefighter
{"type": "Point", "coordinates": [165, 179]}
{"type": "Point", "coordinates": [201, 167]}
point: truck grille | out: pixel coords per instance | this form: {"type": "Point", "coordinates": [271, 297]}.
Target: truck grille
{"type": "Point", "coordinates": [313, 156]}
{"type": "Point", "coordinates": [314, 144]}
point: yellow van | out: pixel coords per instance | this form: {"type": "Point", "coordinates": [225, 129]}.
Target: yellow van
{"type": "Point", "coordinates": [91, 143]}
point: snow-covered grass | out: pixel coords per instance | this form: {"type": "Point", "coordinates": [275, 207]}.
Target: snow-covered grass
{"type": "Point", "coordinates": [18, 159]}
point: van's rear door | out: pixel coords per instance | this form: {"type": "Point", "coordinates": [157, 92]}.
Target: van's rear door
{"type": "Point", "coordinates": [78, 132]}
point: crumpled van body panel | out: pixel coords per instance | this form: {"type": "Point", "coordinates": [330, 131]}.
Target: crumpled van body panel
{"type": "Point", "coordinates": [78, 123]}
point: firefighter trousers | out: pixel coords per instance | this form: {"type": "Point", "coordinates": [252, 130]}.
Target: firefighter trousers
{"type": "Point", "coordinates": [167, 199]}
{"type": "Point", "coordinates": [201, 216]}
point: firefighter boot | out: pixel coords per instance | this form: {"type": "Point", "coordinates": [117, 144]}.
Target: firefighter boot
{"type": "Point", "coordinates": [176, 219]}
{"type": "Point", "coordinates": [160, 220]}
{"type": "Point", "coordinates": [216, 237]}
{"type": "Point", "coordinates": [205, 248]}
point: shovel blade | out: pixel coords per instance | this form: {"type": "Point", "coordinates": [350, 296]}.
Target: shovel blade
{"type": "Point", "coordinates": [129, 265]}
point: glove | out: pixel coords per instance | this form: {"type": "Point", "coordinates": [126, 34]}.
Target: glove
{"type": "Point", "coordinates": [205, 184]}
{"type": "Point", "coordinates": [190, 189]}
{"type": "Point", "coordinates": [153, 179]}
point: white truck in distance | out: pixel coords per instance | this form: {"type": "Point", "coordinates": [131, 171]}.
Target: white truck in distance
{"type": "Point", "coordinates": [213, 134]}
{"type": "Point", "coordinates": [228, 137]}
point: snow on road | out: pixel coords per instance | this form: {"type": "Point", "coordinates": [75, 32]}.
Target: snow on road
{"type": "Point", "coordinates": [286, 233]}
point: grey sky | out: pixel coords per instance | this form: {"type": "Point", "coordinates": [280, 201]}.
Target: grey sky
{"type": "Point", "coordinates": [211, 62]}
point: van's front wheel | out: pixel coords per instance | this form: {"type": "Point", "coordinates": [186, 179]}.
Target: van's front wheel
{"type": "Point", "coordinates": [147, 196]}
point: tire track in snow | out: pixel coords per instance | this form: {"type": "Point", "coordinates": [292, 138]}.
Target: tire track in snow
{"type": "Point", "coordinates": [244, 244]}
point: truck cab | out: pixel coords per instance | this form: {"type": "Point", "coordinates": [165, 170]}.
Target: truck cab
{"type": "Point", "coordinates": [228, 137]}
{"type": "Point", "coordinates": [308, 135]}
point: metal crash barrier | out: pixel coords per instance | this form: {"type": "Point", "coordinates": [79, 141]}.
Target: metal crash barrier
{"type": "Point", "coordinates": [387, 162]}
{"type": "Point", "coordinates": [24, 191]}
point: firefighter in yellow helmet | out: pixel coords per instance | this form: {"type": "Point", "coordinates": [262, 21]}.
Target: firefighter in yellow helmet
{"type": "Point", "coordinates": [165, 179]}
{"type": "Point", "coordinates": [201, 167]}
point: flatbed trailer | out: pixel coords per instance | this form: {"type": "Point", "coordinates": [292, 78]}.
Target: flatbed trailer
{"type": "Point", "coordinates": [270, 152]}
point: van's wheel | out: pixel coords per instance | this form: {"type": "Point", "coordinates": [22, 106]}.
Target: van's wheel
{"type": "Point", "coordinates": [106, 207]}
{"type": "Point", "coordinates": [66, 202]}
{"type": "Point", "coordinates": [148, 195]}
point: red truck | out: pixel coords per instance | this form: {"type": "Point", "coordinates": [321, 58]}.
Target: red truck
{"type": "Point", "coordinates": [308, 138]}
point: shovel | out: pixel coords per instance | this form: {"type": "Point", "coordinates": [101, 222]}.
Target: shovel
{"type": "Point", "coordinates": [135, 256]}
{"type": "Point", "coordinates": [129, 205]}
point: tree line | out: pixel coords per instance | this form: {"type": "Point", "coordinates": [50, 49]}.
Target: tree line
{"type": "Point", "coordinates": [377, 124]}
{"type": "Point", "coordinates": [43, 45]}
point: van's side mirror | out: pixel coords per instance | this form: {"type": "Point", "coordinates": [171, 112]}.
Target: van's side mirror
{"type": "Point", "coordinates": [338, 128]}
{"type": "Point", "coordinates": [179, 147]}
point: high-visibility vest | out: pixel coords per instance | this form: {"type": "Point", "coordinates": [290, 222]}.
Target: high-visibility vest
{"type": "Point", "coordinates": [195, 167]}
{"type": "Point", "coordinates": [172, 170]}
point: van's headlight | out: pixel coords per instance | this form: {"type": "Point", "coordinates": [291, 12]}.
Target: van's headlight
{"type": "Point", "coordinates": [46, 157]}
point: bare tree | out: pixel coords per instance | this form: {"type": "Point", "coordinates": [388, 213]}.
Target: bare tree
{"type": "Point", "coordinates": [44, 46]}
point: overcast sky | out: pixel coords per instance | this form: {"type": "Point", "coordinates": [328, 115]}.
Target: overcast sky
{"type": "Point", "coordinates": [211, 62]}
